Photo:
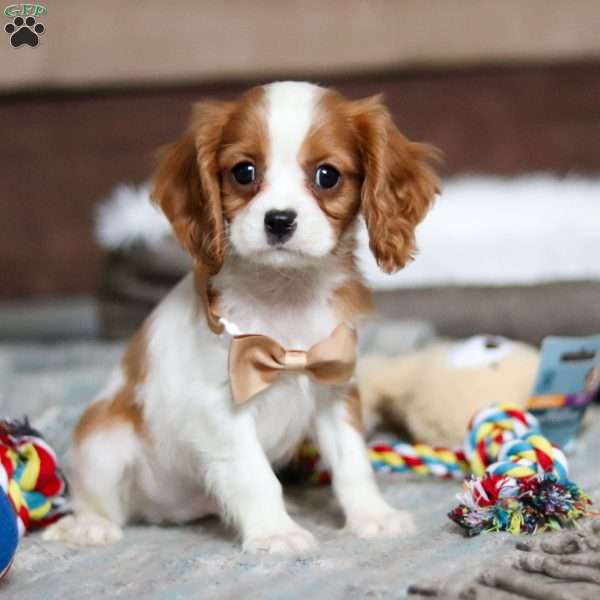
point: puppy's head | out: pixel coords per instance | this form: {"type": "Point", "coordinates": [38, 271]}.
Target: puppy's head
{"type": "Point", "coordinates": [279, 175]}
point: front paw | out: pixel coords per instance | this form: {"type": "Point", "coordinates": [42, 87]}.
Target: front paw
{"type": "Point", "coordinates": [294, 541]}
{"type": "Point", "coordinates": [386, 523]}
{"type": "Point", "coordinates": [84, 530]}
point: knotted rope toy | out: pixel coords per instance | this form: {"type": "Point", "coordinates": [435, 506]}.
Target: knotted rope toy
{"type": "Point", "coordinates": [31, 486]}
{"type": "Point", "coordinates": [520, 480]}
{"type": "Point", "coordinates": [516, 480]}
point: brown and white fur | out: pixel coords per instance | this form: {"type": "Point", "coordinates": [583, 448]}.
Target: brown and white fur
{"type": "Point", "coordinates": [163, 441]}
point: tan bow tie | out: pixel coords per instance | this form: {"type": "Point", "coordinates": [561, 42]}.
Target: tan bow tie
{"type": "Point", "coordinates": [255, 361]}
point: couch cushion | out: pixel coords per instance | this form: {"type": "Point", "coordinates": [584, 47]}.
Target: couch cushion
{"type": "Point", "coordinates": [482, 230]}
{"type": "Point", "coordinates": [496, 231]}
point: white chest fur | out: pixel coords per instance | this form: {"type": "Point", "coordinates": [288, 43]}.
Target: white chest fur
{"type": "Point", "coordinates": [297, 313]}
{"type": "Point", "coordinates": [188, 388]}
{"type": "Point", "coordinates": [293, 308]}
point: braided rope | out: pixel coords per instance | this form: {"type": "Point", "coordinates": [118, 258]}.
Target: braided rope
{"type": "Point", "coordinates": [29, 476]}
{"type": "Point", "coordinates": [503, 440]}
{"type": "Point", "coordinates": [419, 458]}
{"type": "Point", "coordinates": [490, 429]}
{"type": "Point", "coordinates": [514, 479]}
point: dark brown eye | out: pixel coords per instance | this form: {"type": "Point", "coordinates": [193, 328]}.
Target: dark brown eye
{"type": "Point", "coordinates": [326, 176]}
{"type": "Point", "coordinates": [244, 173]}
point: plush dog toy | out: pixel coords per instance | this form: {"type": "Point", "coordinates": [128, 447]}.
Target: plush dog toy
{"type": "Point", "coordinates": [431, 394]}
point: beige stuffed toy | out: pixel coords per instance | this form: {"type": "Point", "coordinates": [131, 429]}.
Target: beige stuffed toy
{"type": "Point", "coordinates": [432, 393]}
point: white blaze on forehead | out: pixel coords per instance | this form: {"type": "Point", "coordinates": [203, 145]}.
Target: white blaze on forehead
{"type": "Point", "coordinates": [290, 111]}
{"type": "Point", "coordinates": [290, 114]}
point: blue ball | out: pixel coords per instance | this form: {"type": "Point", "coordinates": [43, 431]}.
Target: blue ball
{"type": "Point", "coordinates": [9, 533]}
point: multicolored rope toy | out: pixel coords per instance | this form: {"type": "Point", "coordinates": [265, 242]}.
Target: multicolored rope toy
{"type": "Point", "coordinates": [29, 476]}
{"type": "Point", "coordinates": [521, 480]}
{"type": "Point", "coordinates": [419, 458]}
{"type": "Point", "coordinates": [517, 481]}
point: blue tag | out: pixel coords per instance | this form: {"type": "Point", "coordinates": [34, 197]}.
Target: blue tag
{"type": "Point", "coordinates": [567, 380]}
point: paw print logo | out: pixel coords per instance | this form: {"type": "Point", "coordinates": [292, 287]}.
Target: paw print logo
{"type": "Point", "coordinates": [24, 31]}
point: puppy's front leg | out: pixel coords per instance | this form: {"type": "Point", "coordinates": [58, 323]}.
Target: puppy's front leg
{"type": "Point", "coordinates": [344, 451]}
{"type": "Point", "coordinates": [250, 495]}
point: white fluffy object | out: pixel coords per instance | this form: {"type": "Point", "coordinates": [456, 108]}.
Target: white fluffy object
{"type": "Point", "coordinates": [498, 231]}
{"type": "Point", "coordinates": [482, 231]}
{"type": "Point", "coordinates": [128, 217]}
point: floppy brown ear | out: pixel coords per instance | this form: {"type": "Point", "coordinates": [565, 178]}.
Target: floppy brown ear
{"type": "Point", "coordinates": [398, 187]}
{"type": "Point", "coordinates": [187, 186]}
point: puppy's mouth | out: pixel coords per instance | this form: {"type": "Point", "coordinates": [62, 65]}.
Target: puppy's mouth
{"type": "Point", "coordinates": [281, 247]}
{"type": "Point", "coordinates": [280, 250]}
{"type": "Point", "coordinates": [281, 255]}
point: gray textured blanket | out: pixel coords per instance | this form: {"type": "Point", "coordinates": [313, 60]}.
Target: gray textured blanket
{"type": "Point", "coordinates": [204, 560]}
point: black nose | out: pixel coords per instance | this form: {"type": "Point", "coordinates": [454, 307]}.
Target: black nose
{"type": "Point", "coordinates": [280, 225]}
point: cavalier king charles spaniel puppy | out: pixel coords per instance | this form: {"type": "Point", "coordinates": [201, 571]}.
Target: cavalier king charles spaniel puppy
{"type": "Point", "coordinates": [254, 350]}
